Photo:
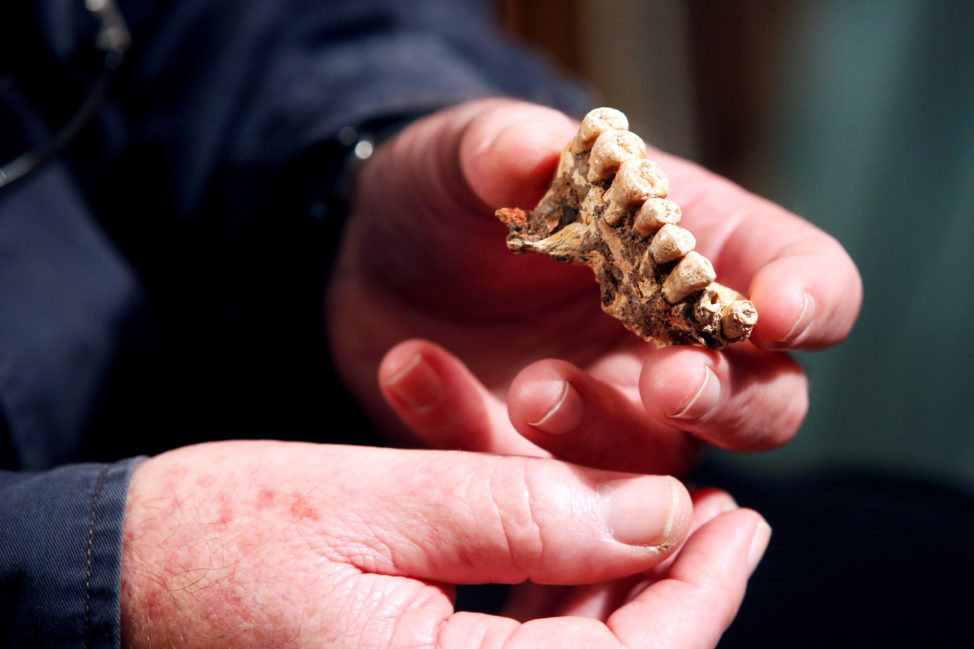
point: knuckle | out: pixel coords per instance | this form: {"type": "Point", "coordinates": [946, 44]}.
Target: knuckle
{"type": "Point", "coordinates": [517, 494]}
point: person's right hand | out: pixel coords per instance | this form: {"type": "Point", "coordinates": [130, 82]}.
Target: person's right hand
{"type": "Point", "coordinates": [272, 544]}
{"type": "Point", "coordinates": [480, 349]}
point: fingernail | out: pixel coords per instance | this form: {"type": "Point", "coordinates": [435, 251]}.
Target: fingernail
{"type": "Point", "coordinates": [641, 511]}
{"type": "Point", "coordinates": [804, 319]}
{"type": "Point", "coordinates": [564, 410]}
{"type": "Point", "coordinates": [417, 384]}
{"type": "Point", "coordinates": [759, 543]}
{"type": "Point", "coordinates": [704, 400]}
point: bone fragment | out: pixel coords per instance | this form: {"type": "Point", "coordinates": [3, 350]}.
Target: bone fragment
{"type": "Point", "coordinates": [606, 208]}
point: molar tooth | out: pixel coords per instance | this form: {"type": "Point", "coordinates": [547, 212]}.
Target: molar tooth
{"type": "Point", "coordinates": [709, 307]}
{"type": "Point", "coordinates": [594, 124]}
{"type": "Point", "coordinates": [637, 181]}
{"type": "Point", "coordinates": [654, 214]}
{"type": "Point", "coordinates": [691, 274]}
{"type": "Point", "coordinates": [671, 243]}
{"type": "Point", "coordinates": [738, 319]}
{"type": "Point", "coordinates": [610, 150]}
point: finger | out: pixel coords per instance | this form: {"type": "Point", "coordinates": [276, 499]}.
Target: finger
{"type": "Point", "coordinates": [509, 154]}
{"type": "Point", "coordinates": [697, 601]}
{"type": "Point", "coordinates": [690, 609]}
{"type": "Point", "coordinates": [582, 419]}
{"type": "Point", "coordinates": [809, 299]}
{"type": "Point", "coordinates": [529, 601]}
{"type": "Point", "coordinates": [804, 285]}
{"type": "Point", "coordinates": [473, 518]}
{"type": "Point", "coordinates": [448, 174]}
{"type": "Point", "coordinates": [742, 398]}
{"type": "Point", "coordinates": [465, 630]}
{"type": "Point", "coordinates": [444, 404]}
{"type": "Point", "coordinates": [708, 504]}
{"type": "Point", "coordinates": [597, 601]}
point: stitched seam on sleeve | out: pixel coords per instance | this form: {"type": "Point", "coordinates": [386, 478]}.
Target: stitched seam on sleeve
{"type": "Point", "coordinates": [91, 540]}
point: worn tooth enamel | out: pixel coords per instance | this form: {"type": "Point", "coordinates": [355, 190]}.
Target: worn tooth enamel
{"type": "Point", "coordinates": [597, 122]}
{"type": "Point", "coordinates": [654, 214]}
{"type": "Point", "coordinates": [636, 181]}
{"type": "Point", "coordinates": [671, 243]}
{"type": "Point", "coordinates": [738, 319]}
{"type": "Point", "coordinates": [691, 274]}
{"type": "Point", "coordinates": [610, 150]}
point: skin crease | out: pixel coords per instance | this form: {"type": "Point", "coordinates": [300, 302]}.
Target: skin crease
{"type": "Point", "coordinates": [268, 544]}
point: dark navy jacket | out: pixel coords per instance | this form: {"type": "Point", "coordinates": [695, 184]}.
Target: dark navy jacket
{"type": "Point", "coordinates": [161, 282]}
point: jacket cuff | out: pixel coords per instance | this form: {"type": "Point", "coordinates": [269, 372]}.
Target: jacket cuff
{"type": "Point", "coordinates": [60, 555]}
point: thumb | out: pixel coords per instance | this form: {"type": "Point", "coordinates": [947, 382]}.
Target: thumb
{"type": "Point", "coordinates": [473, 518]}
{"type": "Point", "coordinates": [453, 517]}
{"type": "Point", "coordinates": [477, 156]}
{"type": "Point", "coordinates": [509, 152]}
{"type": "Point", "coordinates": [423, 207]}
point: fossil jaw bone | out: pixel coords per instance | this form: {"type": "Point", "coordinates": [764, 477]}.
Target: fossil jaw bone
{"type": "Point", "coordinates": [607, 208]}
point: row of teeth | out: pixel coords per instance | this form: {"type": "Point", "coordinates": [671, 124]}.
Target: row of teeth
{"type": "Point", "coordinates": [639, 184]}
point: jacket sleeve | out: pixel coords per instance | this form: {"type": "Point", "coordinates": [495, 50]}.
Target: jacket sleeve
{"type": "Point", "coordinates": [224, 95]}
{"type": "Point", "coordinates": [229, 111]}
{"type": "Point", "coordinates": [60, 552]}
{"type": "Point", "coordinates": [213, 89]}
{"type": "Point", "coordinates": [217, 103]}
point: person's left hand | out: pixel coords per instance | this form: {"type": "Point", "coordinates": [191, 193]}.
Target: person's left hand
{"type": "Point", "coordinates": [244, 545]}
{"type": "Point", "coordinates": [534, 366]}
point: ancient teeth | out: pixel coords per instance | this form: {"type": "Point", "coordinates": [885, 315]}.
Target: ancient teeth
{"type": "Point", "coordinates": [691, 274]}
{"type": "Point", "coordinates": [654, 214]}
{"type": "Point", "coordinates": [597, 122]}
{"type": "Point", "coordinates": [610, 150]}
{"type": "Point", "coordinates": [671, 243]}
{"type": "Point", "coordinates": [738, 319]}
{"type": "Point", "coordinates": [607, 207]}
{"type": "Point", "coordinates": [636, 181]}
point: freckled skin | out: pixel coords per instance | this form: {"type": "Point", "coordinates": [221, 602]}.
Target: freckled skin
{"type": "Point", "coordinates": [301, 509]}
{"type": "Point", "coordinates": [216, 540]}
{"type": "Point", "coordinates": [227, 509]}
{"type": "Point", "coordinates": [265, 498]}
{"type": "Point", "coordinates": [305, 545]}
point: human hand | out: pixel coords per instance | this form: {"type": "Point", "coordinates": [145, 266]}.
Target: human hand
{"type": "Point", "coordinates": [535, 367]}
{"type": "Point", "coordinates": [272, 544]}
